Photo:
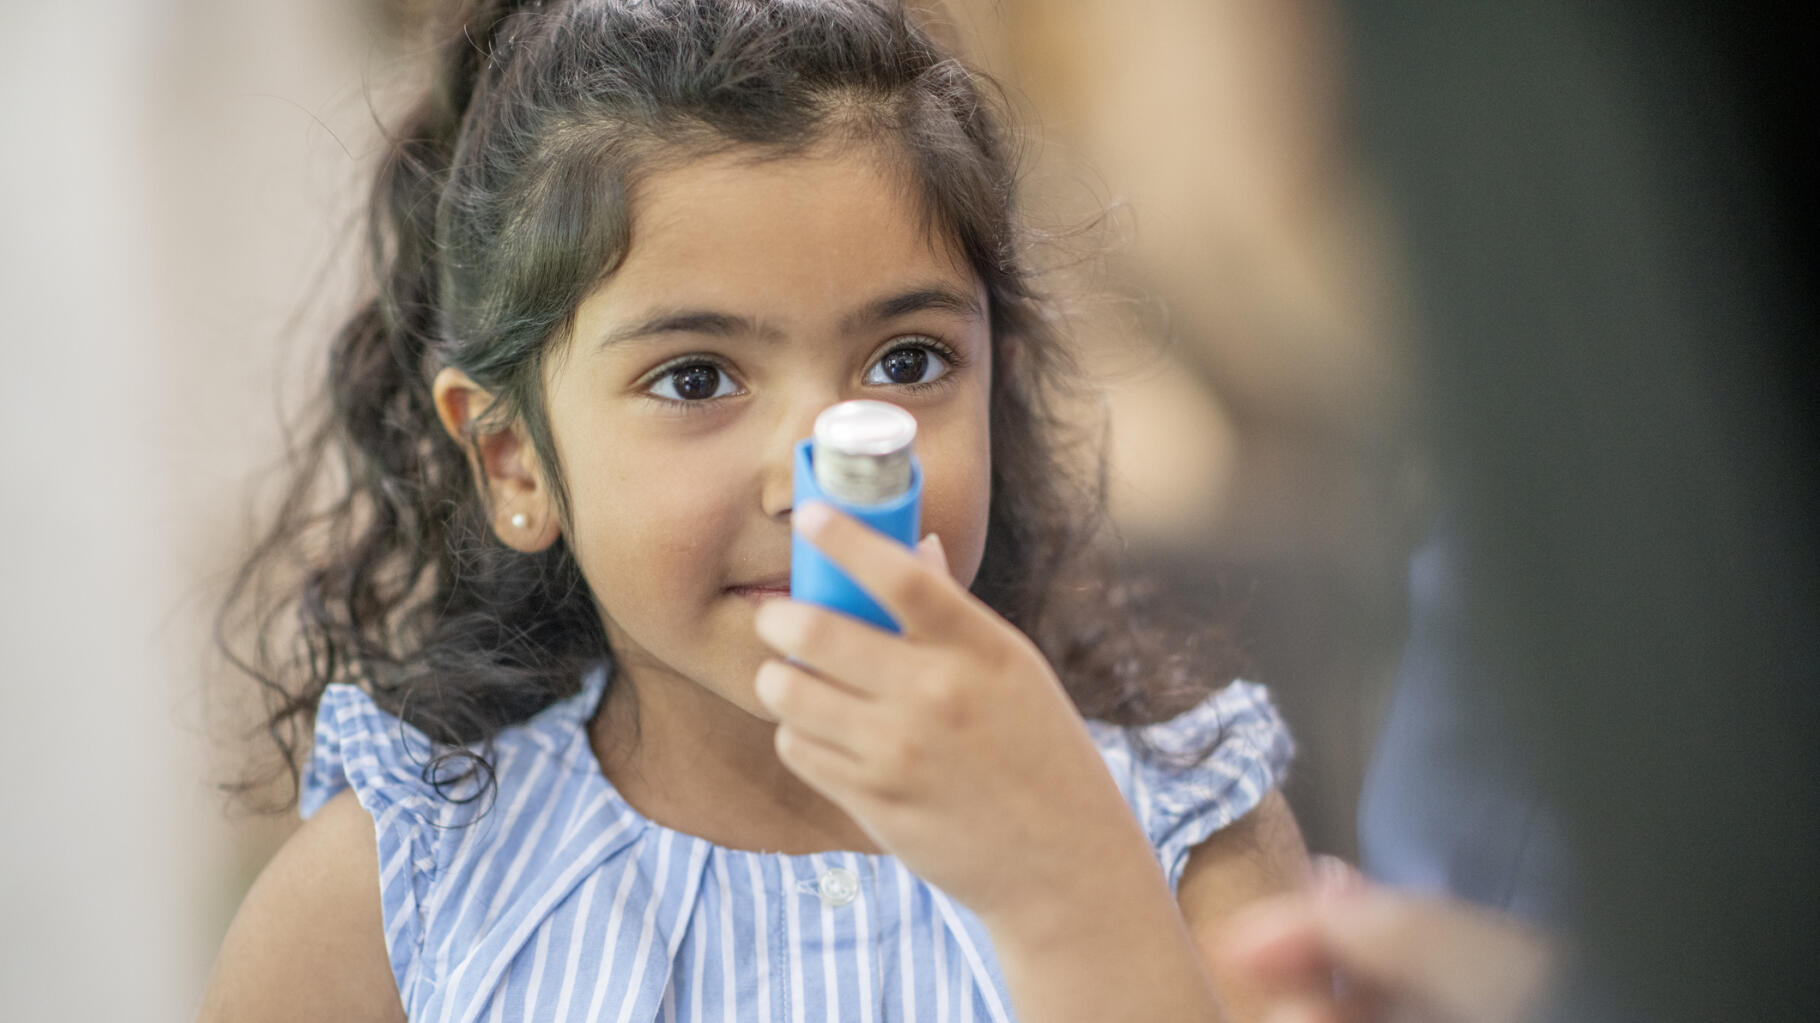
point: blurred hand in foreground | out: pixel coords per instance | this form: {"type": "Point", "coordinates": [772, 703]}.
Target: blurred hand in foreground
{"type": "Point", "coordinates": [1349, 951]}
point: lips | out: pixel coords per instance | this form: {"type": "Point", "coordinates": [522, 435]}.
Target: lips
{"type": "Point", "coordinates": [763, 589]}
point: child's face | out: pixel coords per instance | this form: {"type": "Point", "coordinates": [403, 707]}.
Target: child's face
{"type": "Point", "coordinates": [754, 295]}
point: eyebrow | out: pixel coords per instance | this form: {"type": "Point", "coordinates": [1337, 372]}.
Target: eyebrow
{"type": "Point", "coordinates": [926, 298]}
{"type": "Point", "coordinates": [934, 297]}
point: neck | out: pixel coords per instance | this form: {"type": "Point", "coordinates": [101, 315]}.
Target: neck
{"type": "Point", "coordinates": [691, 761]}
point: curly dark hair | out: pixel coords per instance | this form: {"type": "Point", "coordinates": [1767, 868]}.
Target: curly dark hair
{"type": "Point", "coordinates": [502, 201]}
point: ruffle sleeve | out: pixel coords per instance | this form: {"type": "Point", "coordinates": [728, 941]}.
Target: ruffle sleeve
{"type": "Point", "coordinates": [1244, 751]}
{"type": "Point", "coordinates": [383, 760]}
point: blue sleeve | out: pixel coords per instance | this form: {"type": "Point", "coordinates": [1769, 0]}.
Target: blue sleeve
{"type": "Point", "coordinates": [1241, 750]}
{"type": "Point", "coordinates": [383, 760]}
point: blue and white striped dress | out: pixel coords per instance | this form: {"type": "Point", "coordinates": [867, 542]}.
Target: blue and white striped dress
{"type": "Point", "coordinates": [563, 903]}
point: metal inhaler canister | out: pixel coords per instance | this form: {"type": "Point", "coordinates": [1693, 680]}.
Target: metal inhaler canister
{"type": "Point", "coordinates": [859, 460]}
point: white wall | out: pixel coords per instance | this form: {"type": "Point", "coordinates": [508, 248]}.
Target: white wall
{"type": "Point", "coordinates": [168, 198]}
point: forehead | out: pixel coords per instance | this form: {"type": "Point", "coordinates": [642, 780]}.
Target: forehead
{"type": "Point", "coordinates": [781, 233]}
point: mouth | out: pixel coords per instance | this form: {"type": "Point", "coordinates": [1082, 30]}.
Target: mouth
{"type": "Point", "coordinates": [763, 589]}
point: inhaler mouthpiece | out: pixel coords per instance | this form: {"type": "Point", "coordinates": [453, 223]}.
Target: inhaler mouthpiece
{"type": "Point", "coordinates": [862, 451]}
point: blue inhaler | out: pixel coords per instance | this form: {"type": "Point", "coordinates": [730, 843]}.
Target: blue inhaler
{"type": "Point", "coordinates": [859, 461]}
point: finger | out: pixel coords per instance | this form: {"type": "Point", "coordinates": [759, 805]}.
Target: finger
{"type": "Point", "coordinates": [930, 552]}
{"type": "Point", "coordinates": [921, 600]}
{"type": "Point", "coordinates": [824, 768]}
{"type": "Point", "coordinates": [1359, 1003]}
{"type": "Point", "coordinates": [825, 711]}
{"type": "Point", "coordinates": [1332, 877]}
{"type": "Point", "coordinates": [864, 658]}
{"type": "Point", "coordinates": [1303, 1008]}
{"type": "Point", "coordinates": [1453, 960]}
{"type": "Point", "coordinates": [1277, 943]}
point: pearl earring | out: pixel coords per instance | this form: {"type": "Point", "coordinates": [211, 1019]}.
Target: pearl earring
{"type": "Point", "coordinates": [519, 520]}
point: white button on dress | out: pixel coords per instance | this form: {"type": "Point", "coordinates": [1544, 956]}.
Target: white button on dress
{"type": "Point", "coordinates": [838, 886]}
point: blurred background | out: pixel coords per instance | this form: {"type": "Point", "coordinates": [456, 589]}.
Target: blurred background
{"type": "Point", "coordinates": [182, 182]}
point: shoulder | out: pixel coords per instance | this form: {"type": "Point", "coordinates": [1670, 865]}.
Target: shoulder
{"type": "Point", "coordinates": [1235, 730]}
{"type": "Point", "coordinates": [398, 773]}
{"type": "Point", "coordinates": [1260, 853]}
{"type": "Point", "coordinates": [1205, 771]}
{"type": "Point", "coordinates": [308, 942]}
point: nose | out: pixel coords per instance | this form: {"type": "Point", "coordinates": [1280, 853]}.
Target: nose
{"type": "Point", "coordinates": [795, 423]}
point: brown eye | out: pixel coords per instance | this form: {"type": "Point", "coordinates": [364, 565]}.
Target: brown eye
{"type": "Point", "coordinates": [908, 365]}
{"type": "Point", "coordinates": [692, 382]}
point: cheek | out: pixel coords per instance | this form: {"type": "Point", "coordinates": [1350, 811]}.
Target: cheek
{"type": "Point", "coordinates": [957, 492]}
{"type": "Point", "coordinates": [647, 526]}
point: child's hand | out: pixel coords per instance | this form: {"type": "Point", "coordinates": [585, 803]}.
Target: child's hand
{"type": "Point", "coordinates": [954, 744]}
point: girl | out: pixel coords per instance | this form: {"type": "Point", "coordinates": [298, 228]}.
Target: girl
{"type": "Point", "coordinates": [575, 756]}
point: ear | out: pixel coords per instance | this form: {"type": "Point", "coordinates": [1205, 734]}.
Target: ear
{"type": "Point", "coordinates": [511, 480]}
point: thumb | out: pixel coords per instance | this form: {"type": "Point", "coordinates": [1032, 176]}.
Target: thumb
{"type": "Point", "coordinates": [930, 552]}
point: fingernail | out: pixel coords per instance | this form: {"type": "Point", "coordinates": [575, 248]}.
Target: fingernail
{"type": "Point", "coordinates": [811, 517]}
{"type": "Point", "coordinates": [764, 684]}
{"type": "Point", "coordinates": [933, 551]}
{"type": "Point", "coordinates": [765, 621]}
{"type": "Point", "coordinates": [1333, 878]}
